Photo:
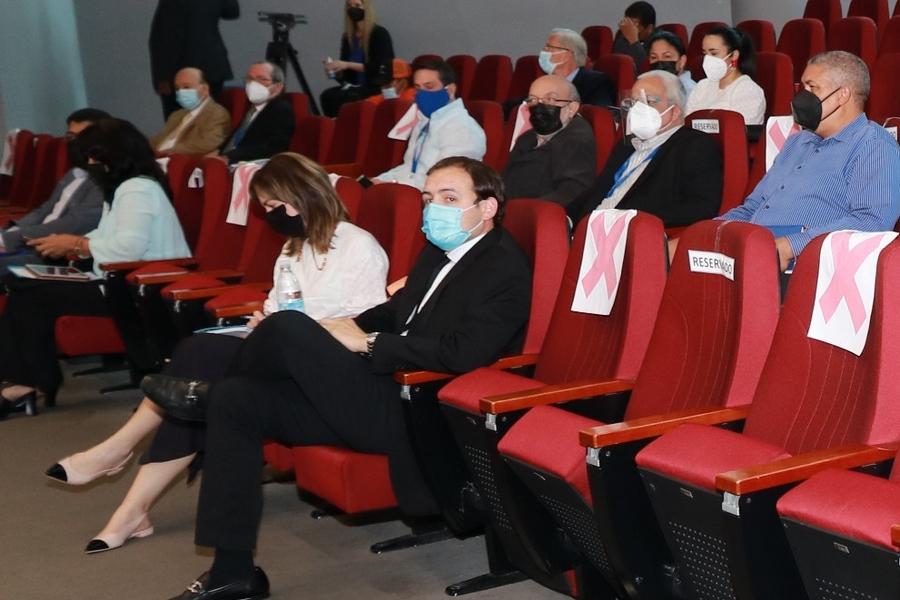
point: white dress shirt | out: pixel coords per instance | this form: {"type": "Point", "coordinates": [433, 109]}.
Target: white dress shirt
{"type": "Point", "coordinates": [347, 280]}
{"type": "Point", "coordinates": [451, 132]}
{"type": "Point", "coordinates": [635, 165]}
{"type": "Point", "coordinates": [742, 95]}
{"type": "Point", "coordinates": [170, 141]}
{"type": "Point", "coordinates": [66, 195]}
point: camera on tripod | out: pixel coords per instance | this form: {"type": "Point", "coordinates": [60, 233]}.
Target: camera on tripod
{"type": "Point", "coordinates": [281, 52]}
{"type": "Point", "coordinates": [282, 22]}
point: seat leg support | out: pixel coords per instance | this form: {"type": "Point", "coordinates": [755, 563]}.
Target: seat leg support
{"type": "Point", "coordinates": [488, 581]}
{"type": "Point", "coordinates": [414, 539]}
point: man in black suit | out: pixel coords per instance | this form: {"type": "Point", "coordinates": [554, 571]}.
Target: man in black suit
{"type": "Point", "coordinates": [564, 54]}
{"type": "Point", "coordinates": [556, 159]}
{"type": "Point", "coordinates": [185, 33]}
{"type": "Point", "coordinates": [665, 168]}
{"type": "Point", "coordinates": [268, 124]}
{"type": "Point", "coordinates": [300, 382]}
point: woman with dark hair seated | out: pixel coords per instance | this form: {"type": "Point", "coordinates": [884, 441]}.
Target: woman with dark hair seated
{"type": "Point", "coordinates": [665, 52]}
{"type": "Point", "coordinates": [341, 271]}
{"type": "Point", "coordinates": [729, 62]}
{"type": "Point", "coordinates": [138, 222]}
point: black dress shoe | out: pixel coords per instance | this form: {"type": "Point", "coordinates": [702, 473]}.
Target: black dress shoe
{"type": "Point", "coordinates": [255, 588]}
{"type": "Point", "coordinates": [184, 399]}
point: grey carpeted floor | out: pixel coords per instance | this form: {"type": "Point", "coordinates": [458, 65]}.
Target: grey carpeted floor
{"type": "Point", "coordinates": [44, 527]}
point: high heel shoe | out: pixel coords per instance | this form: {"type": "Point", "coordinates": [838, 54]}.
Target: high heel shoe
{"type": "Point", "coordinates": [65, 472]}
{"type": "Point", "coordinates": [26, 403]}
{"type": "Point", "coordinates": [116, 540]}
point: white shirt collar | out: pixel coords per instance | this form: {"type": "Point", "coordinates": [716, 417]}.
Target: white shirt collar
{"type": "Point", "coordinates": [199, 107]}
{"type": "Point", "coordinates": [457, 253]}
{"type": "Point", "coordinates": [654, 142]}
{"type": "Point", "coordinates": [571, 76]}
{"type": "Point", "coordinates": [79, 173]}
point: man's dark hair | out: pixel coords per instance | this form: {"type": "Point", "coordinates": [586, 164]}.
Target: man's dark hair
{"type": "Point", "coordinates": [643, 12]}
{"type": "Point", "coordinates": [486, 181]}
{"type": "Point", "coordinates": [445, 72]}
{"type": "Point", "coordinates": [735, 39]}
{"type": "Point", "coordinates": [668, 37]}
{"type": "Point", "coordinates": [91, 115]}
{"type": "Point", "coordinates": [122, 152]}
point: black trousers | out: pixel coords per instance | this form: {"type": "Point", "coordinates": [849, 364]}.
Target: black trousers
{"type": "Point", "coordinates": [334, 97]}
{"type": "Point", "coordinates": [294, 383]}
{"type": "Point", "coordinates": [27, 345]}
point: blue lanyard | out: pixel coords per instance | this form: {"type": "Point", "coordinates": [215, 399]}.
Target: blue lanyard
{"type": "Point", "coordinates": [420, 143]}
{"type": "Point", "coordinates": [621, 176]}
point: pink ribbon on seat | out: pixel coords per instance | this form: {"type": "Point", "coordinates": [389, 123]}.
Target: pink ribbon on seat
{"type": "Point", "coordinates": [604, 266]}
{"type": "Point", "coordinates": [843, 284]}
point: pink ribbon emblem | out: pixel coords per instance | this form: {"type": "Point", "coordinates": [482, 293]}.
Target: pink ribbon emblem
{"type": "Point", "coordinates": [778, 136]}
{"type": "Point", "coordinates": [843, 284]}
{"type": "Point", "coordinates": [604, 266]}
{"type": "Point", "coordinates": [243, 175]}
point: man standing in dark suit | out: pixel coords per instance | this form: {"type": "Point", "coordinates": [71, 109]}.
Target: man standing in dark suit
{"type": "Point", "coordinates": [73, 207]}
{"type": "Point", "coordinates": [268, 124]}
{"type": "Point", "coordinates": [301, 382]}
{"type": "Point", "coordinates": [666, 169]}
{"type": "Point", "coordinates": [556, 159]}
{"type": "Point", "coordinates": [185, 33]}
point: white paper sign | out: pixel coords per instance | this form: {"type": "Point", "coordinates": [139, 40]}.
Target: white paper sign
{"type": "Point", "coordinates": [706, 125]}
{"type": "Point", "coordinates": [239, 209]}
{"type": "Point", "coordinates": [714, 263]}
{"type": "Point", "coordinates": [778, 130]}
{"type": "Point", "coordinates": [601, 261]}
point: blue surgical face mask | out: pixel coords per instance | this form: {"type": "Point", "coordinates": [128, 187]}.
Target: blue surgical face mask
{"type": "Point", "coordinates": [545, 60]}
{"type": "Point", "coordinates": [442, 225]}
{"type": "Point", "coordinates": [187, 98]}
{"type": "Point", "coordinates": [430, 101]}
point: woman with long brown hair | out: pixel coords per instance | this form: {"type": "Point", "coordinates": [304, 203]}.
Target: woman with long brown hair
{"type": "Point", "coordinates": [341, 271]}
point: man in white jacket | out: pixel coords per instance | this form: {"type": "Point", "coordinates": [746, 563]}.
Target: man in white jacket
{"type": "Point", "coordinates": [442, 127]}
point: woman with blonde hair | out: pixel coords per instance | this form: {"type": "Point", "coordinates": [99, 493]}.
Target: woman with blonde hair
{"type": "Point", "coordinates": [365, 62]}
{"type": "Point", "coordinates": [341, 271]}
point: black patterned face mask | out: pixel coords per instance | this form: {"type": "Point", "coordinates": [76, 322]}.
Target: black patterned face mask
{"type": "Point", "coordinates": [279, 220]}
{"type": "Point", "coordinates": [807, 109]}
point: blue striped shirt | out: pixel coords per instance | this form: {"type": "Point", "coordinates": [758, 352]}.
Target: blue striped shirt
{"type": "Point", "coordinates": [850, 180]}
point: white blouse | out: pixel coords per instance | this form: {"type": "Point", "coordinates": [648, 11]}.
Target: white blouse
{"type": "Point", "coordinates": [347, 280]}
{"type": "Point", "coordinates": [743, 95]}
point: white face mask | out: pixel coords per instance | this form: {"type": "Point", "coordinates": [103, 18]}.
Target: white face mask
{"type": "Point", "coordinates": [257, 93]}
{"type": "Point", "coordinates": [715, 68]}
{"type": "Point", "coordinates": [389, 93]}
{"type": "Point", "coordinates": [644, 121]}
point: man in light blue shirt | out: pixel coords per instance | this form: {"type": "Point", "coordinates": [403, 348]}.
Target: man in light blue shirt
{"type": "Point", "coordinates": [841, 172]}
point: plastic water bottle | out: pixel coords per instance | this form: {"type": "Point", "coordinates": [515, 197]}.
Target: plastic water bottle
{"type": "Point", "coordinates": [328, 67]}
{"type": "Point", "coordinates": [287, 290]}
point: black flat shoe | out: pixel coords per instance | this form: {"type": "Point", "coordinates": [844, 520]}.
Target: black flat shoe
{"type": "Point", "coordinates": [184, 399]}
{"type": "Point", "coordinates": [255, 588]}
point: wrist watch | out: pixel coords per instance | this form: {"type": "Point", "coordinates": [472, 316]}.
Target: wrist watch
{"type": "Point", "coordinates": [370, 343]}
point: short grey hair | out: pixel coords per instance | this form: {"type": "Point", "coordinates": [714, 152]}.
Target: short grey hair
{"type": "Point", "coordinates": [277, 72]}
{"type": "Point", "coordinates": [674, 88]}
{"type": "Point", "coordinates": [574, 42]}
{"type": "Point", "coordinates": [845, 70]}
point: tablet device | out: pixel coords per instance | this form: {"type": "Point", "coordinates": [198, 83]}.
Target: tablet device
{"type": "Point", "coordinates": [58, 272]}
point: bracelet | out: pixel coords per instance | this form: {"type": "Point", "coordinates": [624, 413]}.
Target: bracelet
{"type": "Point", "coordinates": [370, 343]}
{"type": "Point", "coordinates": [79, 250]}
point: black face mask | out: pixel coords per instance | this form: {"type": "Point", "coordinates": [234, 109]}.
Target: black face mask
{"type": "Point", "coordinates": [356, 14]}
{"type": "Point", "coordinates": [669, 66]}
{"type": "Point", "coordinates": [807, 109]}
{"type": "Point", "coordinates": [545, 118]}
{"type": "Point", "coordinates": [279, 220]}
{"type": "Point", "coordinates": [76, 158]}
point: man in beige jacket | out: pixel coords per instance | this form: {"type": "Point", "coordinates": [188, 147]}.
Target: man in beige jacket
{"type": "Point", "coordinates": [200, 126]}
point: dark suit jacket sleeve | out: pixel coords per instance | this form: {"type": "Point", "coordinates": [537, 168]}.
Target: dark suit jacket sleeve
{"type": "Point", "coordinates": [637, 51]}
{"type": "Point", "coordinates": [700, 182]}
{"type": "Point", "coordinates": [80, 216]}
{"type": "Point", "coordinates": [575, 164]}
{"type": "Point", "coordinates": [379, 61]}
{"type": "Point", "coordinates": [269, 134]}
{"type": "Point", "coordinates": [230, 10]}
{"type": "Point", "coordinates": [497, 311]}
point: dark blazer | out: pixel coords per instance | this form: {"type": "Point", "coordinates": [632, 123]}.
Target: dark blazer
{"type": "Point", "coordinates": [378, 62]}
{"type": "Point", "coordinates": [637, 51]}
{"type": "Point", "coordinates": [477, 314]}
{"type": "Point", "coordinates": [681, 185]}
{"type": "Point", "coordinates": [559, 170]}
{"type": "Point", "coordinates": [595, 87]}
{"type": "Point", "coordinates": [80, 215]}
{"type": "Point", "coordinates": [268, 134]}
{"type": "Point", "coordinates": [185, 33]}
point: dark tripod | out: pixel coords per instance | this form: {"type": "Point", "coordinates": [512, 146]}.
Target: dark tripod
{"type": "Point", "coordinates": [280, 50]}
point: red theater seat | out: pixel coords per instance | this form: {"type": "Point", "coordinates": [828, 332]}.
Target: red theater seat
{"type": "Point", "coordinates": [801, 39]}
{"type": "Point", "coordinates": [695, 47]}
{"type": "Point", "coordinates": [890, 41]}
{"type": "Point", "coordinates": [877, 10]}
{"type": "Point", "coordinates": [351, 133]}
{"type": "Point", "coordinates": [826, 11]}
{"type": "Point", "coordinates": [601, 121]}
{"type": "Point", "coordinates": [599, 40]}
{"type": "Point", "coordinates": [727, 127]}
{"type": "Point", "coordinates": [234, 99]}
{"type": "Point", "coordinates": [525, 72]}
{"type": "Point", "coordinates": [312, 137]}
{"type": "Point", "coordinates": [762, 33]}
{"type": "Point", "coordinates": [620, 69]}
{"type": "Point", "coordinates": [775, 75]}
{"type": "Point", "coordinates": [490, 116]}
{"type": "Point", "coordinates": [492, 78]}
{"type": "Point", "coordinates": [884, 101]}
{"type": "Point", "coordinates": [679, 29]}
{"type": "Point", "coordinates": [464, 66]}
{"type": "Point", "coordinates": [856, 35]}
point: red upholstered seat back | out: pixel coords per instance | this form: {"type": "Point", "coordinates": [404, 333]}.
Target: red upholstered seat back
{"type": "Point", "coordinates": [262, 245]}
{"type": "Point", "coordinates": [801, 39]}
{"type": "Point", "coordinates": [620, 69]}
{"type": "Point", "coordinates": [826, 11]}
{"type": "Point", "coordinates": [45, 153]}
{"type": "Point", "coordinates": [732, 140]}
{"type": "Point", "coordinates": [775, 75]}
{"type": "Point", "coordinates": [856, 35]}
{"type": "Point", "coordinates": [219, 243]}
{"type": "Point", "coordinates": [525, 72]}
{"type": "Point", "coordinates": [541, 231]}
{"type": "Point", "coordinates": [23, 169]}
{"type": "Point", "coordinates": [884, 101]}
{"type": "Point", "coordinates": [188, 202]}
{"type": "Point", "coordinates": [761, 31]}
{"type": "Point", "coordinates": [712, 334]}
{"type": "Point", "coordinates": [392, 213]}
{"type": "Point", "coordinates": [604, 128]}
{"type": "Point", "coordinates": [351, 193]}
{"type": "Point", "coordinates": [585, 346]}
{"type": "Point", "coordinates": [385, 153]}
{"type": "Point", "coordinates": [492, 77]}
{"type": "Point", "coordinates": [300, 104]}
{"type": "Point", "coordinates": [890, 39]}
{"type": "Point", "coordinates": [679, 29]}
{"type": "Point", "coordinates": [234, 99]}
{"type": "Point", "coordinates": [877, 10]}
{"type": "Point", "coordinates": [490, 116]}
{"type": "Point", "coordinates": [351, 133]}
{"type": "Point", "coordinates": [599, 40]}
{"type": "Point", "coordinates": [695, 46]}
{"type": "Point", "coordinates": [814, 395]}
{"type": "Point", "coordinates": [312, 137]}
{"type": "Point", "coordinates": [464, 67]}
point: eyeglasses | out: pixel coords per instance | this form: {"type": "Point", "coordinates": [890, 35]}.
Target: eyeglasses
{"type": "Point", "coordinates": [534, 100]}
{"type": "Point", "coordinates": [266, 81]}
{"type": "Point", "coordinates": [628, 103]}
{"type": "Point", "coordinates": [551, 48]}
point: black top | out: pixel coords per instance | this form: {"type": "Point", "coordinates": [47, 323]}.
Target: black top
{"type": "Point", "coordinates": [379, 67]}
{"type": "Point", "coordinates": [268, 134]}
{"type": "Point", "coordinates": [681, 185]}
{"type": "Point", "coordinates": [595, 87]}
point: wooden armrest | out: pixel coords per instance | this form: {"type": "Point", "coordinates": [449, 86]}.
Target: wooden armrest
{"type": "Point", "coordinates": [895, 534]}
{"type": "Point", "coordinates": [800, 467]}
{"type": "Point", "coordinates": [655, 426]}
{"type": "Point", "coordinates": [418, 377]}
{"type": "Point", "coordinates": [165, 278]}
{"type": "Point", "coordinates": [215, 291]}
{"type": "Point", "coordinates": [552, 394]}
{"type": "Point", "coordinates": [238, 310]}
{"type": "Point", "coordinates": [137, 264]}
